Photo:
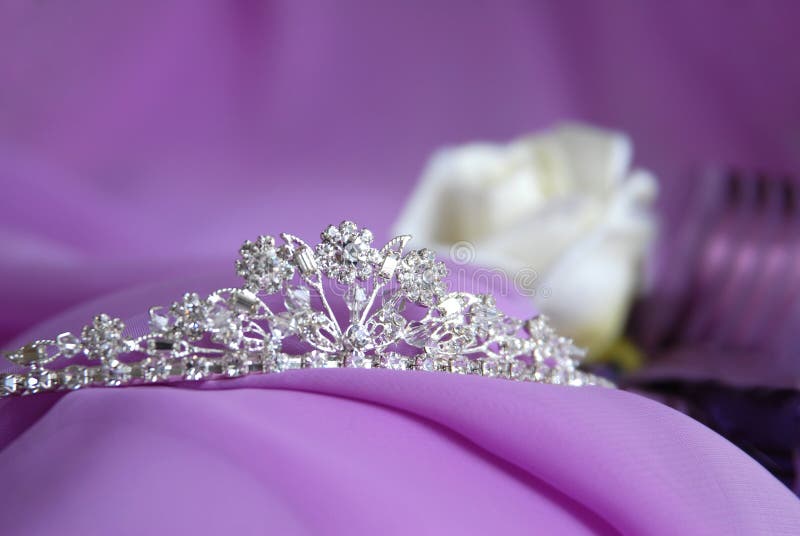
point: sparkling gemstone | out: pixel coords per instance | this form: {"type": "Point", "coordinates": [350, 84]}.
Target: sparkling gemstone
{"type": "Point", "coordinates": [494, 368]}
{"type": "Point", "coordinates": [304, 258]}
{"type": "Point", "coordinates": [395, 361]}
{"type": "Point", "coordinates": [103, 337]}
{"type": "Point", "coordinates": [196, 369]}
{"type": "Point", "coordinates": [347, 230]}
{"type": "Point", "coordinates": [432, 363]}
{"type": "Point", "coordinates": [282, 325]}
{"type": "Point", "coordinates": [520, 370]}
{"type": "Point", "coordinates": [40, 380]}
{"type": "Point", "coordinates": [417, 334]}
{"type": "Point", "coordinates": [155, 346]}
{"type": "Point", "coordinates": [234, 366]}
{"type": "Point", "coordinates": [297, 299]}
{"type": "Point", "coordinates": [30, 353]}
{"type": "Point", "coordinates": [287, 362]}
{"type": "Point", "coordinates": [316, 359]}
{"type": "Point", "coordinates": [68, 344]}
{"type": "Point", "coordinates": [356, 298]}
{"type": "Point", "coordinates": [244, 301]}
{"type": "Point", "coordinates": [465, 365]}
{"type": "Point", "coordinates": [358, 359]}
{"type": "Point", "coordinates": [450, 307]}
{"type": "Point", "coordinates": [353, 251]}
{"type": "Point", "coordinates": [157, 371]}
{"type": "Point", "coordinates": [159, 319]}
{"type": "Point", "coordinates": [75, 377]}
{"type": "Point", "coordinates": [357, 336]}
{"type": "Point", "coordinates": [117, 374]}
{"type": "Point", "coordinates": [10, 384]}
{"type": "Point", "coordinates": [331, 233]}
{"type": "Point", "coordinates": [388, 266]}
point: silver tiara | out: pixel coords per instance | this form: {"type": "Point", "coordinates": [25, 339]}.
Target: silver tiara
{"type": "Point", "coordinates": [400, 316]}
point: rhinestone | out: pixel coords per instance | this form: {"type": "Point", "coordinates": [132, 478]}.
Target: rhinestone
{"type": "Point", "coordinates": [432, 363]}
{"type": "Point", "coordinates": [520, 370]}
{"type": "Point", "coordinates": [234, 366]}
{"type": "Point", "coordinates": [196, 369]}
{"type": "Point", "coordinates": [357, 336]}
{"type": "Point", "coordinates": [494, 368]}
{"type": "Point", "coordinates": [244, 301]}
{"type": "Point", "coordinates": [75, 377]}
{"type": "Point", "coordinates": [159, 320]}
{"type": "Point", "coordinates": [465, 365]}
{"type": "Point", "coordinates": [388, 266]}
{"type": "Point", "coordinates": [417, 334]}
{"type": "Point", "coordinates": [304, 258]}
{"type": "Point", "coordinates": [10, 384]}
{"type": "Point", "coordinates": [287, 362]}
{"type": "Point", "coordinates": [157, 371]}
{"type": "Point", "coordinates": [317, 359]}
{"type": "Point", "coordinates": [450, 307]}
{"type": "Point", "coordinates": [358, 359]}
{"type": "Point", "coordinates": [68, 344]}
{"type": "Point", "coordinates": [30, 353]}
{"type": "Point", "coordinates": [354, 250]}
{"type": "Point", "coordinates": [38, 381]}
{"type": "Point", "coordinates": [160, 345]}
{"type": "Point", "coordinates": [297, 299]}
{"type": "Point", "coordinates": [117, 374]}
{"type": "Point", "coordinates": [355, 298]}
{"type": "Point", "coordinates": [347, 229]}
{"type": "Point", "coordinates": [395, 361]}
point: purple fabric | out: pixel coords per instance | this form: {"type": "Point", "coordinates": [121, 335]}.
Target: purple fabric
{"type": "Point", "coordinates": [143, 140]}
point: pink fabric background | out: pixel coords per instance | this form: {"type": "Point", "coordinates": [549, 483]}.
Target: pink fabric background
{"type": "Point", "coordinates": [143, 140]}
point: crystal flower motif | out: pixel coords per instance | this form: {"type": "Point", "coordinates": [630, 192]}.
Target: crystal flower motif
{"type": "Point", "coordinates": [346, 253]}
{"type": "Point", "coordinates": [191, 316]}
{"type": "Point", "coordinates": [234, 332]}
{"type": "Point", "coordinates": [263, 266]}
{"type": "Point", "coordinates": [102, 339]}
{"type": "Point", "coordinates": [421, 277]}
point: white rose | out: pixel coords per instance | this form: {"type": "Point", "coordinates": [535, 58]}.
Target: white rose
{"type": "Point", "coordinates": [562, 204]}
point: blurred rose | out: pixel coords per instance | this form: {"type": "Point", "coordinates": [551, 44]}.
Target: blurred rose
{"type": "Point", "coordinates": [560, 211]}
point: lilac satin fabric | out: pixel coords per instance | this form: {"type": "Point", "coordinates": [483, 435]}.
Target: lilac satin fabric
{"type": "Point", "coordinates": [140, 143]}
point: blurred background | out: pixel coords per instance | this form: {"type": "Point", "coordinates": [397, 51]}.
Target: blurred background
{"type": "Point", "coordinates": [139, 138]}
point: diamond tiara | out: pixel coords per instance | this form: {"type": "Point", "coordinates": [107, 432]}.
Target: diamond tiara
{"type": "Point", "coordinates": [400, 317]}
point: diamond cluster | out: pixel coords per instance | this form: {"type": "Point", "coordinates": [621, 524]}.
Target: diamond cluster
{"type": "Point", "coordinates": [286, 298]}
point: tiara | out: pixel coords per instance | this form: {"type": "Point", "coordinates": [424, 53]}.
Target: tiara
{"type": "Point", "coordinates": [399, 316]}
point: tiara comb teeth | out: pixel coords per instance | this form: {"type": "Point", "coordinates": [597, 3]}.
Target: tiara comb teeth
{"type": "Point", "coordinates": [399, 315]}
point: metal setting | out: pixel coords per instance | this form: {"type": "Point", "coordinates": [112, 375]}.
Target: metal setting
{"type": "Point", "coordinates": [401, 317]}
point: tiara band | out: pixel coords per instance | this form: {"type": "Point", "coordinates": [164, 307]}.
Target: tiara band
{"type": "Point", "coordinates": [401, 317]}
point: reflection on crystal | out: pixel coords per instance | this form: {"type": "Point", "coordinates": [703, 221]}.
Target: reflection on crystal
{"type": "Point", "coordinates": [417, 334]}
{"type": "Point", "coordinates": [395, 361]}
{"type": "Point", "coordinates": [68, 344]}
{"type": "Point", "coordinates": [10, 384]}
{"type": "Point", "coordinates": [450, 307]}
{"type": "Point", "coordinates": [159, 321]}
{"type": "Point", "coordinates": [465, 365]}
{"type": "Point", "coordinates": [358, 359]}
{"type": "Point", "coordinates": [284, 362]}
{"type": "Point", "coordinates": [355, 298]}
{"type": "Point", "coordinates": [494, 368]}
{"type": "Point", "coordinates": [432, 363]}
{"type": "Point", "coordinates": [520, 370]}
{"type": "Point", "coordinates": [75, 377]}
{"type": "Point", "coordinates": [297, 299]}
